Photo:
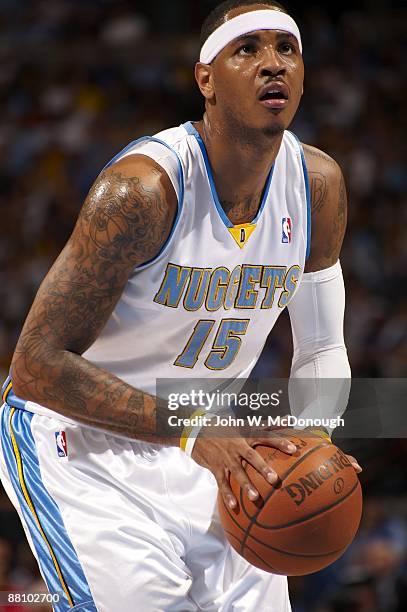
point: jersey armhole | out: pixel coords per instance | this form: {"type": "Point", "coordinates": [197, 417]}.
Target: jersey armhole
{"type": "Point", "coordinates": [178, 183]}
{"type": "Point", "coordinates": [307, 195]}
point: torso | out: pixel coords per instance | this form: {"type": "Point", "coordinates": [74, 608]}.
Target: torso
{"type": "Point", "coordinates": [202, 309]}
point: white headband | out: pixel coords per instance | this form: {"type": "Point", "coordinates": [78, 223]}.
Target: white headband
{"type": "Point", "coordinates": [268, 19]}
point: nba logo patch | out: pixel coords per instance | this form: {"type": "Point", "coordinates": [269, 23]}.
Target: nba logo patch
{"type": "Point", "coordinates": [286, 230]}
{"type": "Point", "coordinates": [60, 438]}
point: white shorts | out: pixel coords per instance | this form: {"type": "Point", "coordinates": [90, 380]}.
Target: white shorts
{"type": "Point", "coordinates": [123, 526]}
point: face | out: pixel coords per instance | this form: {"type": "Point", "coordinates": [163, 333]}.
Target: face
{"type": "Point", "coordinates": [256, 81]}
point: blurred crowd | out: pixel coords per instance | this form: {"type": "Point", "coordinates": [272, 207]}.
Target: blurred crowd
{"type": "Point", "coordinates": [82, 78]}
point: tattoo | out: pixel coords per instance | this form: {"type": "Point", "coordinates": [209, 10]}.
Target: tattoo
{"type": "Point", "coordinates": [318, 190]}
{"type": "Point", "coordinates": [328, 197]}
{"type": "Point", "coordinates": [123, 223]}
{"type": "Point", "coordinates": [242, 211]}
{"type": "Point", "coordinates": [125, 228]}
{"type": "Point", "coordinates": [71, 385]}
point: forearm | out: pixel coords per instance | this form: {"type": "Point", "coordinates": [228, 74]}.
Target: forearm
{"type": "Point", "coordinates": [320, 373]}
{"type": "Point", "coordinates": [320, 385]}
{"type": "Point", "coordinates": [75, 388]}
{"type": "Point", "coordinates": [331, 362]}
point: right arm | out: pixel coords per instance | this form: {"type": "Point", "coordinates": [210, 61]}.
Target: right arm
{"type": "Point", "coordinates": [124, 222]}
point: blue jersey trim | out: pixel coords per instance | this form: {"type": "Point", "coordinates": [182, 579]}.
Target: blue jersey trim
{"type": "Point", "coordinates": [46, 511]}
{"type": "Point", "coordinates": [194, 132]}
{"type": "Point", "coordinates": [180, 197]}
{"type": "Point", "coordinates": [10, 397]}
{"type": "Point", "coordinates": [308, 193]}
{"type": "Point", "coordinates": [4, 388]}
{"type": "Point", "coordinates": [4, 385]}
{"type": "Point", "coordinates": [308, 196]}
{"type": "Point", "coordinates": [265, 196]}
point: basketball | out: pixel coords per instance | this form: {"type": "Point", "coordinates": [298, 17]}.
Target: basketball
{"type": "Point", "coordinates": [304, 522]}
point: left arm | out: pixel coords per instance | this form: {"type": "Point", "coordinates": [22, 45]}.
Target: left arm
{"type": "Point", "coordinates": [317, 310]}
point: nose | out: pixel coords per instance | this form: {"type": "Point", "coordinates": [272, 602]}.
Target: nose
{"type": "Point", "coordinates": [272, 63]}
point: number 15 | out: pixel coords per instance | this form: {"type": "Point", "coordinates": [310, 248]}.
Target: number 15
{"type": "Point", "coordinates": [225, 346]}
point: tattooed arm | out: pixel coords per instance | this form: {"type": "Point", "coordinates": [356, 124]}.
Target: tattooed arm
{"type": "Point", "coordinates": [328, 209]}
{"type": "Point", "coordinates": [124, 222]}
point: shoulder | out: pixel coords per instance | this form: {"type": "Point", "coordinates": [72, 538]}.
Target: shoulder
{"type": "Point", "coordinates": [317, 158]}
{"type": "Point", "coordinates": [325, 177]}
{"type": "Point", "coordinates": [139, 174]}
{"type": "Point", "coordinates": [131, 207]}
{"type": "Point", "coordinates": [321, 166]}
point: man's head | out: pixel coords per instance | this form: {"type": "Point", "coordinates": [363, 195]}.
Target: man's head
{"type": "Point", "coordinates": [251, 69]}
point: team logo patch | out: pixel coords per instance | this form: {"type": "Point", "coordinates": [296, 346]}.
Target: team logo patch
{"type": "Point", "coordinates": [242, 232]}
{"type": "Point", "coordinates": [286, 230]}
{"type": "Point", "coordinates": [60, 438]}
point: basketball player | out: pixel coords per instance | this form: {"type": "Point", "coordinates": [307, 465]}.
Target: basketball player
{"type": "Point", "coordinates": [187, 249]}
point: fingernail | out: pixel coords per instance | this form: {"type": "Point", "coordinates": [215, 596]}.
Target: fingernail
{"type": "Point", "coordinates": [291, 447]}
{"type": "Point", "coordinates": [357, 466]}
{"type": "Point", "coordinates": [271, 477]}
{"type": "Point", "coordinates": [231, 502]}
{"type": "Point", "coordinates": [253, 493]}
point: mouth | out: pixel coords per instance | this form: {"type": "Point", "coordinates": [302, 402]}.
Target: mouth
{"type": "Point", "coordinates": [274, 96]}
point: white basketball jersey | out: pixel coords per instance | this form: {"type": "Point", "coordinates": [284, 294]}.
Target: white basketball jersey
{"type": "Point", "coordinates": [204, 306]}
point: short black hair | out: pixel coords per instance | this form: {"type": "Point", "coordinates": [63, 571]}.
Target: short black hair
{"type": "Point", "coordinates": [217, 16]}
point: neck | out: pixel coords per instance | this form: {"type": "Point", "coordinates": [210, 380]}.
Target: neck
{"type": "Point", "coordinates": [241, 163]}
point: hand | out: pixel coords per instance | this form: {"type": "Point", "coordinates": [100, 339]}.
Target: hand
{"type": "Point", "coordinates": [225, 455]}
{"type": "Point", "coordinates": [325, 435]}
{"type": "Point", "coordinates": [354, 464]}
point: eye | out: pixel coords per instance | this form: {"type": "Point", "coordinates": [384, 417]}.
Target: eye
{"type": "Point", "coordinates": [287, 48]}
{"type": "Point", "coordinates": [246, 49]}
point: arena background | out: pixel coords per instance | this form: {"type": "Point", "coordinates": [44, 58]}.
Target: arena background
{"type": "Point", "coordinates": [79, 79]}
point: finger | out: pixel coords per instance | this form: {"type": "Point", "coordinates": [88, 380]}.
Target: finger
{"type": "Point", "coordinates": [228, 497]}
{"type": "Point", "coordinates": [257, 461]}
{"type": "Point", "coordinates": [354, 464]}
{"type": "Point", "coordinates": [280, 442]}
{"type": "Point", "coordinates": [243, 480]}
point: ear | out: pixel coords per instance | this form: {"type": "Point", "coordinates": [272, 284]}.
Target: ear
{"type": "Point", "coordinates": [203, 76]}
